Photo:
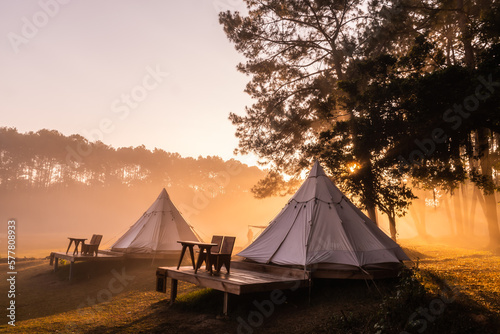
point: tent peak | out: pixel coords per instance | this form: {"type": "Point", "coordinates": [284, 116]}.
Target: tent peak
{"type": "Point", "coordinates": [163, 194]}
{"type": "Point", "coordinates": [316, 170]}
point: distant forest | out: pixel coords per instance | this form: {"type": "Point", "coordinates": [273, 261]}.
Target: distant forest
{"type": "Point", "coordinates": [58, 186]}
{"type": "Point", "coordinates": [46, 159]}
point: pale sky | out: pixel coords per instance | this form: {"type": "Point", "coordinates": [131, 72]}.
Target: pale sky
{"type": "Point", "coordinates": [158, 72]}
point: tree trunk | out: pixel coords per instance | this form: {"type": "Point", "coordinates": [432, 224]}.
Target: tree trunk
{"type": "Point", "coordinates": [392, 226]}
{"type": "Point", "coordinates": [372, 213]}
{"type": "Point", "coordinates": [422, 229]}
{"type": "Point", "coordinates": [419, 220]}
{"type": "Point", "coordinates": [472, 213]}
{"type": "Point", "coordinates": [465, 209]}
{"type": "Point", "coordinates": [466, 37]}
{"type": "Point", "coordinates": [367, 180]}
{"type": "Point", "coordinates": [490, 204]}
{"type": "Point", "coordinates": [492, 218]}
{"type": "Point", "coordinates": [448, 214]}
{"type": "Point", "coordinates": [459, 220]}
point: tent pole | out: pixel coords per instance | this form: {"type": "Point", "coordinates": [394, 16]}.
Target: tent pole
{"type": "Point", "coordinates": [310, 289]}
{"type": "Point", "coordinates": [195, 233]}
{"type": "Point", "coordinates": [309, 283]}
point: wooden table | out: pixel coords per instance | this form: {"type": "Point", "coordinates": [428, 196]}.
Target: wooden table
{"type": "Point", "coordinates": [77, 243]}
{"type": "Point", "coordinates": [203, 247]}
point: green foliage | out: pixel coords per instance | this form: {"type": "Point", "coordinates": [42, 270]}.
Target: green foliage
{"type": "Point", "coordinates": [274, 184]}
{"type": "Point", "coordinates": [368, 86]}
{"type": "Point", "coordinates": [206, 300]}
{"type": "Point", "coordinates": [296, 53]}
{"type": "Point", "coordinates": [396, 308]}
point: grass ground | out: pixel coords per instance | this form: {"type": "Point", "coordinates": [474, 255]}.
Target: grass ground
{"type": "Point", "coordinates": [455, 290]}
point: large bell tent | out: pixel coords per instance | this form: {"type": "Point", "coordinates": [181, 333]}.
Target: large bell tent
{"type": "Point", "coordinates": [322, 231]}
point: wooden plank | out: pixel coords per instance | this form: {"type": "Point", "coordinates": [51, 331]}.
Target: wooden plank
{"type": "Point", "coordinates": [271, 269]}
{"type": "Point", "coordinates": [204, 281]}
{"type": "Point", "coordinates": [226, 300]}
{"type": "Point", "coordinates": [236, 277]}
{"type": "Point", "coordinates": [86, 258]}
{"type": "Point", "coordinates": [283, 285]}
{"type": "Point", "coordinates": [161, 271]}
{"type": "Point", "coordinates": [182, 255]}
{"type": "Point", "coordinates": [173, 291]}
{"type": "Point", "coordinates": [55, 256]}
{"type": "Point", "coordinates": [161, 283]}
{"type": "Point", "coordinates": [71, 270]}
{"type": "Point", "coordinates": [238, 282]}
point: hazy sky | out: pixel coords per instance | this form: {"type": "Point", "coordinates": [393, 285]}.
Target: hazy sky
{"type": "Point", "coordinates": [158, 72]}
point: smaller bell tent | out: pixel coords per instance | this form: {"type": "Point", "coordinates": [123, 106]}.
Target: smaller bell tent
{"type": "Point", "coordinates": [156, 232]}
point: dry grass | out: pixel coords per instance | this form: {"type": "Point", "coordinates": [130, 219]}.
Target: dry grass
{"type": "Point", "coordinates": [475, 273]}
{"type": "Point", "coordinates": [48, 303]}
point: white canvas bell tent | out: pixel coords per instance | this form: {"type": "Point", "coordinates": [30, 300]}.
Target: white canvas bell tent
{"type": "Point", "coordinates": [322, 231]}
{"type": "Point", "coordinates": [157, 231]}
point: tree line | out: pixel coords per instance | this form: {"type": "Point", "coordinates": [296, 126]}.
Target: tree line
{"type": "Point", "coordinates": [390, 95]}
{"type": "Point", "coordinates": [47, 159]}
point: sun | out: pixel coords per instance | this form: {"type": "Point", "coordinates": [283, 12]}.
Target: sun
{"type": "Point", "coordinates": [353, 166]}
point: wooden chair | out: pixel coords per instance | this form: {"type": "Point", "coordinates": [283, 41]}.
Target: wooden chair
{"type": "Point", "coordinates": [216, 239]}
{"type": "Point", "coordinates": [223, 257]}
{"type": "Point", "coordinates": [93, 246]}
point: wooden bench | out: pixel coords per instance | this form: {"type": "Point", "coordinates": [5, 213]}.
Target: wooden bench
{"type": "Point", "coordinates": [93, 246]}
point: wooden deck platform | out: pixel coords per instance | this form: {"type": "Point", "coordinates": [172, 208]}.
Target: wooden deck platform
{"type": "Point", "coordinates": [55, 256]}
{"type": "Point", "coordinates": [244, 278]}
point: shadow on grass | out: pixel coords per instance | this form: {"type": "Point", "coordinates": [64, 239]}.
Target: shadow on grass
{"type": "Point", "coordinates": [93, 283]}
{"type": "Point", "coordinates": [347, 302]}
{"type": "Point", "coordinates": [412, 308]}
{"type": "Point", "coordinates": [87, 271]}
{"type": "Point", "coordinates": [415, 255]}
